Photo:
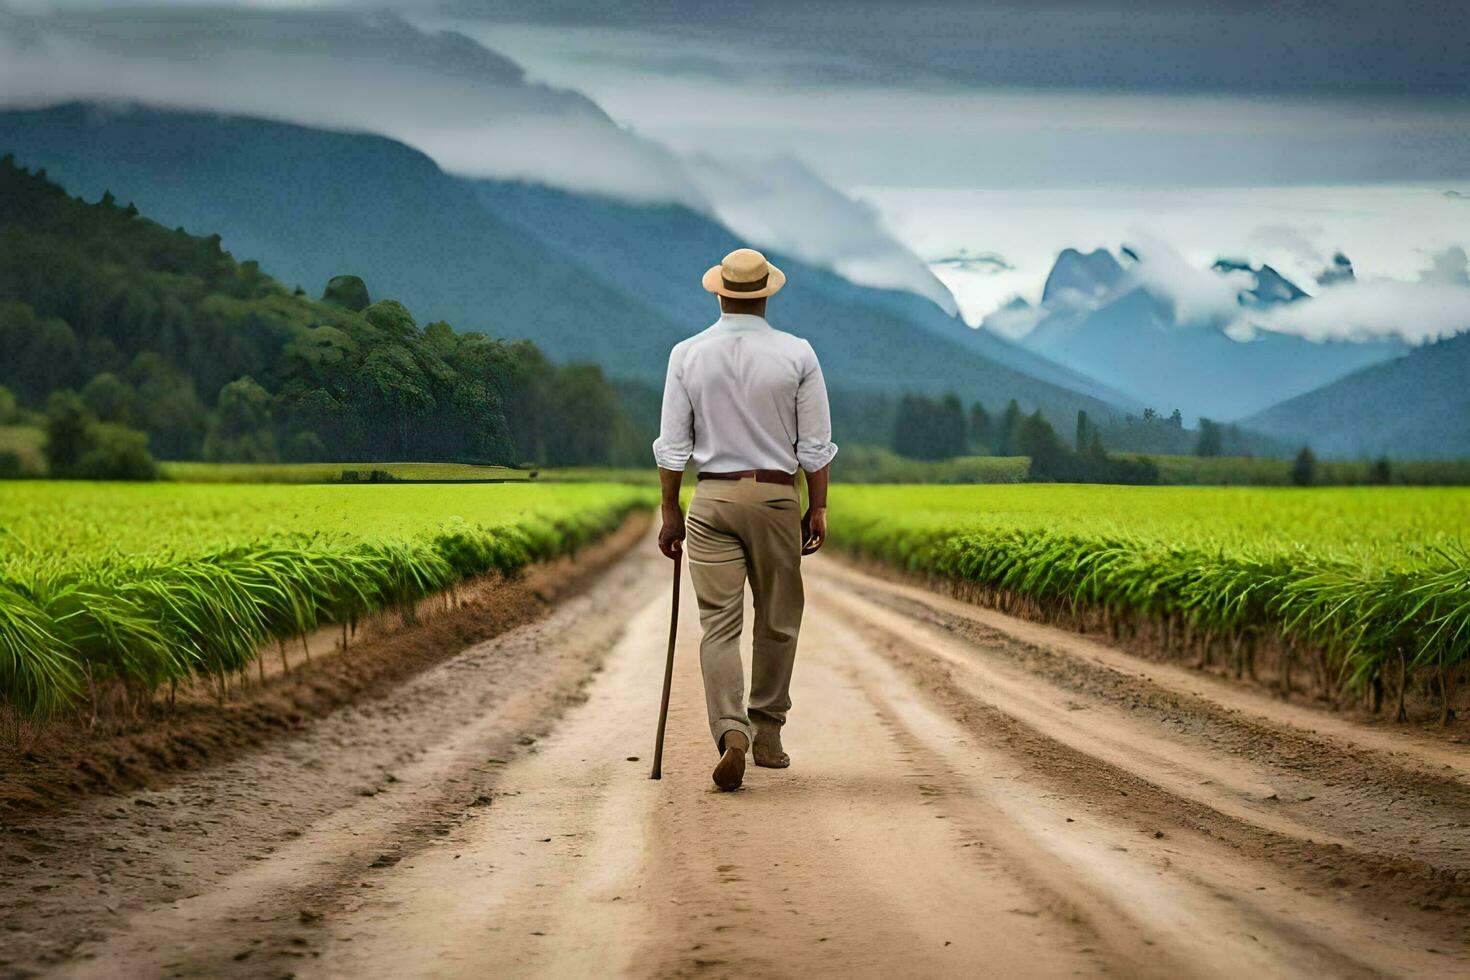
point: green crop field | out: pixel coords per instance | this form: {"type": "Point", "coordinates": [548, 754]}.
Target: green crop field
{"type": "Point", "coordinates": [1262, 471]}
{"type": "Point", "coordinates": [1378, 577]}
{"type": "Point", "coordinates": [190, 472]}
{"type": "Point", "coordinates": [143, 584]}
{"type": "Point", "coordinates": [184, 472]}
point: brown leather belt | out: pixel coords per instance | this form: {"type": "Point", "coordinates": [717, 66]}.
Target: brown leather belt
{"type": "Point", "coordinates": [760, 476]}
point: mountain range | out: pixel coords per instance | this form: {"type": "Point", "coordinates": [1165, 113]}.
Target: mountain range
{"type": "Point", "coordinates": [474, 111]}
{"type": "Point", "coordinates": [1412, 407]}
{"type": "Point", "coordinates": [452, 180]}
{"type": "Point", "coordinates": [1104, 320]}
{"type": "Point", "coordinates": [585, 276]}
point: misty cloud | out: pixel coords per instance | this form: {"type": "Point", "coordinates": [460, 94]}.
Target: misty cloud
{"type": "Point", "coordinates": [783, 205]}
{"type": "Point", "coordinates": [1198, 297]}
{"type": "Point", "coordinates": [467, 107]}
{"type": "Point", "coordinates": [907, 133]}
{"type": "Point", "coordinates": [983, 263]}
{"type": "Point", "coordinates": [1416, 311]}
{"type": "Point", "coordinates": [1450, 266]}
{"type": "Point", "coordinates": [470, 109]}
{"type": "Point", "coordinates": [1436, 306]}
{"type": "Point", "coordinates": [1290, 239]}
{"type": "Point", "coordinates": [1015, 319]}
{"type": "Point", "coordinates": [943, 115]}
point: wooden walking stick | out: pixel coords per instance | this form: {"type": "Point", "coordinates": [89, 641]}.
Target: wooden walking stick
{"type": "Point", "coordinates": [663, 708]}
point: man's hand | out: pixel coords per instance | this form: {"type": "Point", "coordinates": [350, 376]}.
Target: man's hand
{"type": "Point", "coordinates": [671, 535]}
{"type": "Point", "coordinates": [813, 530]}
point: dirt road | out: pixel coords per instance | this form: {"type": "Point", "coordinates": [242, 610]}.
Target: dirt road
{"type": "Point", "coordinates": [970, 795]}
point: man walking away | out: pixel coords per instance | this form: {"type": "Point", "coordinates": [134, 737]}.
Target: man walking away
{"type": "Point", "coordinates": [747, 402]}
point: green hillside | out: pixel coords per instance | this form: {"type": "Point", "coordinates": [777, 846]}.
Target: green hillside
{"type": "Point", "coordinates": [166, 332]}
{"type": "Point", "coordinates": [1413, 407]}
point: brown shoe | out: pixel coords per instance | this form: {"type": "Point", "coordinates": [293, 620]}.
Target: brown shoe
{"type": "Point", "coordinates": [730, 770]}
{"type": "Point", "coordinates": [768, 752]}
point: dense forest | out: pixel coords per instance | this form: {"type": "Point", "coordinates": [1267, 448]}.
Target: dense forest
{"type": "Point", "coordinates": [111, 321]}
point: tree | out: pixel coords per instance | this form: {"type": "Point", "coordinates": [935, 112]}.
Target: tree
{"type": "Point", "coordinates": [1304, 468]}
{"type": "Point", "coordinates": [926, 429]}
{"type": "Point", "coordinates": [110, 398]}
{"type": "Point", "coordinates": [1210, 439]}
{"type": "Point", "coordinates": [1081, 440]}
{"type": "Point", "coordinates": [94, 295]}
{"type": "Point", "coordinates": [391, 317]}
{"type": "Point", "coordinates": [80, 447]}
{"type": "Point", "coordinates": [1037, 439]}
{"type": "Point", "coordinates": [583, 414]}
{"type": "Point", "coordinates": [982, 434]}
{"type": "Point", "coordinates": [167, 407]}
{"type": "Point", "coordinates": [242, 431]}
{"type": "Point", "coordinates": [116, 452]}
{"type": "Point", "coordinates": [1008, 432]}
{"type": "Point", "coordinates": [1380, 472]}
{"type": "Point", "coordinates": [305, 447]}
{"type": "Point", "coordinates": [1176, 419]}
{"type": "Point", "coordinates": [398, 392]}
{"type": "Point", "coordinates": [40, 352]}
{"type": "Point", "coordinates": [1051, 459]}
{"type": "Point", "coordinates": [67, 422]}
{"type": "Point", "coordinates": [949, 437]}
{"type": "Point", "coordinates": [348, 292]}
{"type": "Point", "coordinates": [910, 427]}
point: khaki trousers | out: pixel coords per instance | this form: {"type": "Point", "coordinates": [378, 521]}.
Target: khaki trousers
{"type": "Point", "coordinates": [738, 530]}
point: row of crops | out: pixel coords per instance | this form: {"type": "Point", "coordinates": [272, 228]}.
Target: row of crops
{"type": "Point", "coordinates": [146, 585]}
{"type": "Point", "coordinates": [1375, 581]}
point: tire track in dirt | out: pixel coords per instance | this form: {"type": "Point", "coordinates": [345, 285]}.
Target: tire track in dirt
{"type": "Point", "coordinates": [1245, 758]}
{"type": "Point", "coordinates": [1399, 864]}
{"type": "Point", "coordinates": [1070, 659]}
{"type": "Point", "coordinates": [922, 831]}
{"type": "Point", "coordinates": [838, 866]}
{"type": "Point", "coordinates": [236, 860]}
{"type": "Point", "coordinates": [956, 805]}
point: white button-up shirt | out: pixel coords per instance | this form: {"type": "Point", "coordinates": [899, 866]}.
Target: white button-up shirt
{"type": "Point", "coordinates": [743, 395]}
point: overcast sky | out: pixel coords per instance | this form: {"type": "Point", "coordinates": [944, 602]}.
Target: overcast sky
{"type": "Point", "coordinates": [1275, 132]}
{"type": "Point", "coordinates": [1272, 131]}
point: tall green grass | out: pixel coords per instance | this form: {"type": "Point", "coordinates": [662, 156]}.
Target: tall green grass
{"type": "Point", "coordinates": [140, 586]}
{"type": "Point", "coordinates": [1377, 577]}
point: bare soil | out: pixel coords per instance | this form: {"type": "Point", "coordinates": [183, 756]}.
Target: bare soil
{"type": "Point", "coordinates": [969, 794]}
{"type": "Point", "coordinates": [1287, 668]}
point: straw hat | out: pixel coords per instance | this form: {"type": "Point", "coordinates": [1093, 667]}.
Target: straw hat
{"type": "Point", "coordinates": [744, 274]}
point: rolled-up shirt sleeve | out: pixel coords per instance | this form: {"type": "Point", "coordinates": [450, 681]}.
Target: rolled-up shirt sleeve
{"type": "Point", "coordinates": [675, 442]}
{"type": "Point", "coordinates": [814, 446]}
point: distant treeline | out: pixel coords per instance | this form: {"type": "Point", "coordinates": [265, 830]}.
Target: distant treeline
{"type": "Point", "coordinates": [1263, 471]}
{"type": "Point", "coordinates": [1154, 433]}
{"type": "Point", "coordinates": [935, 429]}
{"type": "Point", "coordinates": [858, 463]}
{"type": "Point", "coordinates": [111, 324]}
{"type": "Point", "coordinates": [922, 427]}
{"type": "Point", "coordinates": [938, 440]}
